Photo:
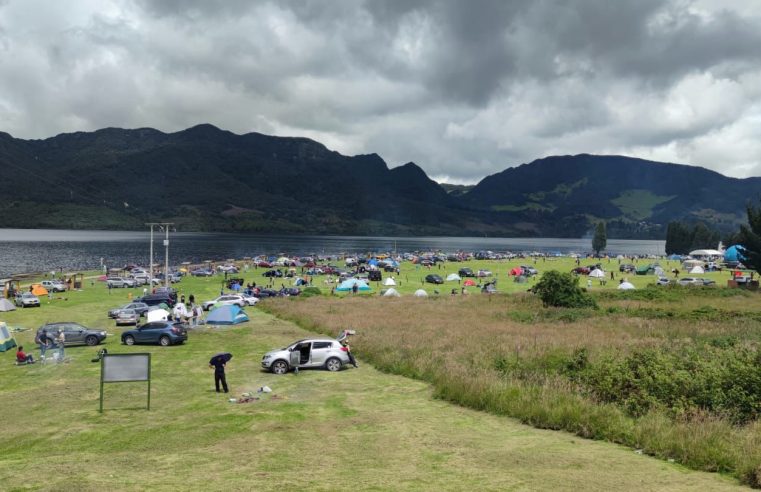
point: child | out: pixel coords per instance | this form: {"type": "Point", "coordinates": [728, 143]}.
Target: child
{"type": "Point", "coordinates": [23, 358]}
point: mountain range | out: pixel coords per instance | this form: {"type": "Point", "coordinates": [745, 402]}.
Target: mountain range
{"type": "Point", "coordinates": [208, 179]}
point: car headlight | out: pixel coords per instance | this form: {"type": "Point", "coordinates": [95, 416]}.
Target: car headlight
{"type": "Point", "coordinates": [266, 357]}
{"type": "Point", "coordinates": [103, 333]}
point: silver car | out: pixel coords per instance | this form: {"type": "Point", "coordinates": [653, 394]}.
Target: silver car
{"type": "Point", "coordinates": [318, 352]}
{"type": "Point", "coordinates": [27, 299]}
{"type": "Point", "coordinates": [127, 317]}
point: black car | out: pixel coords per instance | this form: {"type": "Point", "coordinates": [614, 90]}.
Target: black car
{"type": "Point", "coordinates": [156, 299]}
{"type": "Point", "coordinates": [273, 273]}
{"type": "Point", "coordinates": [74, 334]}
{"type": "Point", "coordinates": [140, 308]}
{"type": "Point", "coordinates": [374, 275]}
{"type": "Point", "coordinates": [627, 268]}
{"type": "Point", "coordinates": [434, 279]}
{"type": "Point", "coordinates": [164, 333]}
{"type": "Point", "coordinates": [466, 272]}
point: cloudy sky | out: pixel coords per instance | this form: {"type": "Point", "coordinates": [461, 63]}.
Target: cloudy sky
{"type": "Point", "coordinates": [463, 88]}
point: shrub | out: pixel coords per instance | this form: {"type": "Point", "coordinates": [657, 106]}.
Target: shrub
{"type": "Point", "coordinates": [311, 291]}
{"type": "Point", "coordinates": [558, 289]}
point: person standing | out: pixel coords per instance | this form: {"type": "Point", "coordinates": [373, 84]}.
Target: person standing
{"type": "Point", "coordinates": [42, 341]}
{"type": "Point", "coordinates": [61, 341]}
{"type": "Point", "coordinates": [218, 364]}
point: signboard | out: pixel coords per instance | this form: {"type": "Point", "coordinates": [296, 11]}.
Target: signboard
{"type": "Point", "coordinates": [119, 368]}
{"type": "Point", "coordinates": [125, 368]}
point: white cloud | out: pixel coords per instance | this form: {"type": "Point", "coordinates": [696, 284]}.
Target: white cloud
{"type": "Point", "coordinates": [464, 89]}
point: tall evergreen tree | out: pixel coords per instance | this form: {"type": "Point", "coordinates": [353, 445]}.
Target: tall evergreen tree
{"type": "Point", "coordinates": [601, 238]}
{"type": "Point", "coordinates": [750, 238]}
{"type": "Point", "coordinates": [703, 237]}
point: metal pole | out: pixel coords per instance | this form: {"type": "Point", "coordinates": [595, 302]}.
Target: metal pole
{"type": "Point", "coordinates": [166, 259]}
{"type": "Point", "coordinates": [150, 265]}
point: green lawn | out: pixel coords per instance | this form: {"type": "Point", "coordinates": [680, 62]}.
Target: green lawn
{"type": "Point", "coordinates": [357, 429]}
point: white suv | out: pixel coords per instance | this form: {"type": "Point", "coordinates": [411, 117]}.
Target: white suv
{"type": "Point", "coordinates": [225, 300]}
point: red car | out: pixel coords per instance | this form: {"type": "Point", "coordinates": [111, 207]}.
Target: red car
{"type": "Point", "coordinates": [581, 270]}
{"type": "Point", "coordinates": [264, 264]}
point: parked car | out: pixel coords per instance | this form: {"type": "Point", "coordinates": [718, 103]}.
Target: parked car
{"type": "Point", "coordinates": [484, 273]}
{"type": "Point", "coordinates": [54, 285]}
{"type": "Point", "coordinates": [374, 275]}
{"type": "Point", "coordinates": [164, 333]}
{"type": "Point", "coordinates": [309, 353]}
{"type": "Point", "coordinates": [528, 270]}
{"type": "Point", "coordinates": [581, 270]}
{"type": "Point", "coordinates": [119, 282]}
{"type": "Point", "coordinates": [707, 282]}
{"type": "Point", "coordinates": [139, 307]}
{"type": "Point", "coordinates": [156, 299]}
{"type": "Point", "coordinates": [74, 334]}
{"type": "Point", "coordinates": [662, 281]}
{"type": "Point", "coordinates": [250, 300]}
{"type": "Point", "coordinates": [127, 317]}
{"type": "Point", "coordinates": [434, 279]}
{"type": "Point", "coordinates": [273, 273]}
{"type": "Point", "coordinates": [627, 268]}
{"type": "Point", "coordinates": [27, 299]}
{"type": "Point", "coordinates": [225, 300]}
{"type": "Point", "coordinates": [466, 272]}
{"type": "Point", "coordinates": [685, 281]}
{"type": "Point", "coordinates": [201, 272]}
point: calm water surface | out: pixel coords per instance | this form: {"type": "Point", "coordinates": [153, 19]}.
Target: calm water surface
{"type": "Point", "coordinates": [27, 250]}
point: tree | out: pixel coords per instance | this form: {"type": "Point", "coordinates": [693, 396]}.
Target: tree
{"type": "Point", "coordinates": [558, 289]}
{"type": "Point", "coordinates": [750, 238]}
{"type": "Point", "coordinates": [601, 238]}
{"type": "Point", "coordinates": [703, 237]}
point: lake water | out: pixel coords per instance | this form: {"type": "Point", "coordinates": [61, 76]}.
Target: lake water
{"type": "Point", "coordinates": [35, 250]}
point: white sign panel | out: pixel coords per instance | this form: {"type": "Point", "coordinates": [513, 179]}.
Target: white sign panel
{"type": "Point", "coordinates": [126, 367]}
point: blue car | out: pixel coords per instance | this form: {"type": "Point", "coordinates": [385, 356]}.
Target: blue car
{"type": "Point", "coordinates": [163, 333]}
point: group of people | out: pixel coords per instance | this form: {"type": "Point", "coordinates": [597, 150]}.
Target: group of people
{"type": "Point", "coordinates": [44, 339]}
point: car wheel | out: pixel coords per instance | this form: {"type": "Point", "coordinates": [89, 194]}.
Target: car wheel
{"type": "Point", "coordinates": [91, 340]}
{"type": "Point", "coordinates": [333, 364]}
{"type": "Point", "coordinates": [279, 367]}
{"type": "Point", "coordinates": [129, 340]}
{"type": "Point", "coordinates": [165, 341]}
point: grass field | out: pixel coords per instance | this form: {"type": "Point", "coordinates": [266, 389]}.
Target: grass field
{"type": "Point", "coordinates": [357, 429]}
{"type": "Point", "coordinates": [677, 375]}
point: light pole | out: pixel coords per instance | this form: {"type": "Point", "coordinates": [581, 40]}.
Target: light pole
{"type": "Point", "coordinates": [165, 227]}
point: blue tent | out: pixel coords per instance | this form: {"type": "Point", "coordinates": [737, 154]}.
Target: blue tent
{"type": "Point", "coordinates": [373, 262]}
{"type": "Point", "coordinates": [675, 257]}
{"type": "Point", "coordinates": [227, 315]}
{"type": "Point", "coordinates": [347, 285]}
{"type": "Point", "coordinates": [734, 254]}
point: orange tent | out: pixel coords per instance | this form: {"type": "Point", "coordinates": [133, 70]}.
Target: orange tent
{"type": "Point", "coordinates": [469, 283]}
{"type": "Point", "coordinates": [39, 290]}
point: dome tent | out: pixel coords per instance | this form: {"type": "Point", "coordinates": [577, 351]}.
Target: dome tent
{"type": "Point", "coordinates": [391, 293]}
{"type": "Point", "coordinates": [626, 286]}
{"type": "Point", "coordinates": [389, 282]}
{"type": "Point", "coordinates": [227, 315]}
{"type": "Point", "coordinates": [734, 254]}
{"type": "Point", "coordinates": [421, 293]}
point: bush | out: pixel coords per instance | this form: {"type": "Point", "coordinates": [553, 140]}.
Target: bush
{"type": "Point", "coordinates": [311, 291]}
{"type": "Point", "coordinates": [558, 289]}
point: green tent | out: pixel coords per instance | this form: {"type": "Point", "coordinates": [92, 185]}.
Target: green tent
{"type": "Point", "coordinates": [644, 270]}
{"type": "Point", "coordinates": [7, 341]}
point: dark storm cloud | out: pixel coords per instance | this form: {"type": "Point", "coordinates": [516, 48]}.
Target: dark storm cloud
{"type": "Point", "coordinates": [462, 88]}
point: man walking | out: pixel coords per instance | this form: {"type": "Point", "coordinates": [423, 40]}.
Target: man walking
{"type": "Point", "coordinates": [218, 363]}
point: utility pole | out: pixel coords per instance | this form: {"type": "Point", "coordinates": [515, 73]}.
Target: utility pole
{"type": "Point", "coordinates": [165, 227]}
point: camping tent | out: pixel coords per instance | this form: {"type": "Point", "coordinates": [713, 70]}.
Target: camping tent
{"type": "Point", "coordinates": [626, 286]}
{"type": "Point", "coordinates": [347, 285]}
{"type": "Point", "coordinates": [469, 283]}
{"type": "Point", "coordinates": [453, 277]}
{"type": "Point", "coordinates": [734, 254]}
{"type": "Point", "coordinates": [689, 264]}
{"type": "Point", "coordinates": [7, 341]}
{"type": "Point", "coordinates": [391, 293]}
{"type": "Point", "coordinates": [516, 271]}
{"type": "Point", "coordinates": [697, 270]}
{"type": "Point", "coordinates": [6, 305]}
{"type": "Point", "coordinates": [389, 281]}
{"type": "Point", "coordinates": [675, 257]}
{"type": "Point", "coordinates": [227, 315]}
{"type": "Point", "coordinates": [644, 269]}
{"type": "Point", "coordinates": [421, 293]}
{"type": "Point", "coordinates": [156, 315]}
{"type": "Point", "coordinates": [659, 271]}
{"type": "Point", "coordinates": [39, 290]}
{"type": "Point", "coordinates": [706, 253]}
{"type": "Point", "coordinates": [597, 273]}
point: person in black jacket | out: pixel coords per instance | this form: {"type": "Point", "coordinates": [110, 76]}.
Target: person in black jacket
{"type": "Point", "coordinates": [218, 364]}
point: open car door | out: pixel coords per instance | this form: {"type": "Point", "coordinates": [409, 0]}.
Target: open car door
{"type": "Point", "coordinates": [295, 357]}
